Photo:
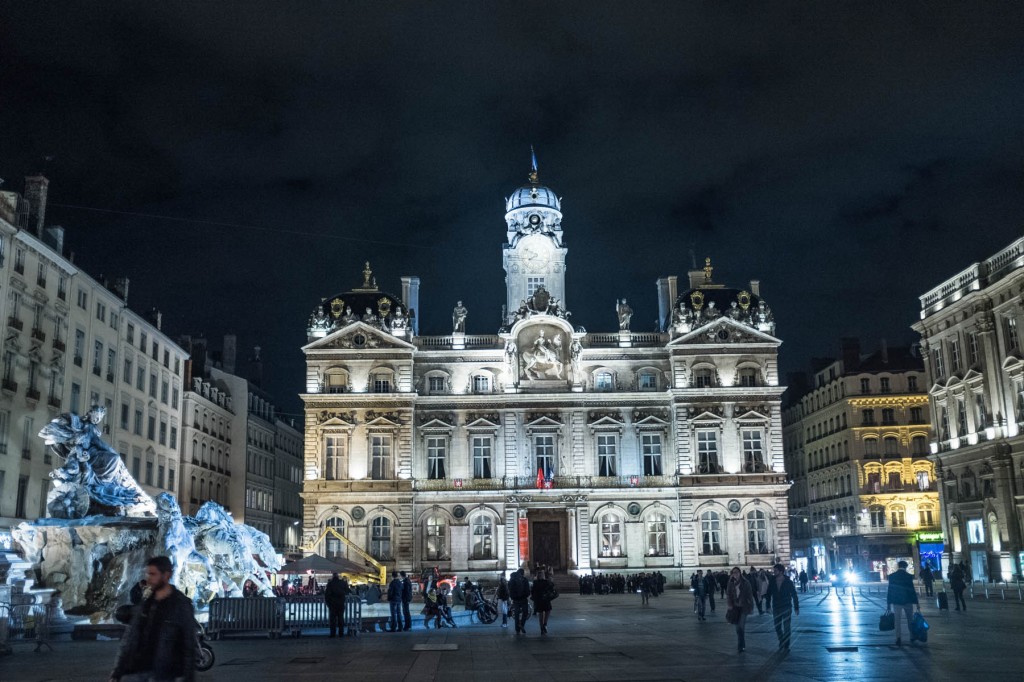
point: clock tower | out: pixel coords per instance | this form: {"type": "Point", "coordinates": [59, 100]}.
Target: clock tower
{"type": "Point", "coordinates": [534, 254]}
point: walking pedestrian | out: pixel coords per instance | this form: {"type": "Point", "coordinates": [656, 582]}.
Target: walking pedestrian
{"type": "Point", "coordinates": [519, 593]}
{"type": "Point", "coordinates": [740, 602]}
{"type": "Point", "coordinates": [755, 589]}
{"type": "Point", "coordinates": [160, 642]}
{"type": "Point", "coordinates": [335, 595]}
{"type": "Point", "coordinates": [698, 586]}
{"type": "Point", "coordinates": [927, 578]}
{"type": "Point", "coordinates": [903, 596]}
{"type": "Point", "coordinates": [406, 600]}
{"type": "Point", "coordinates": [958, 584]}
{"type": "Point", "coordinates": [723, 582]}
{"type": "Point", "coordinates": [784, 603]}
{"type": "Point", "coordinates": [502, 596]}
{"type": "Point", "coordinates": [395, 603]}
{"type": "Point", "coordinates": [763, 580]}
{"type": "Point", "coordinates": [709, 587]}
{"type": "Point", "coordinates": [543, 593]}
{"type": "Point", "coordinates": [645, 590]}
{"type": "Point", "coordinates": [803, 580]}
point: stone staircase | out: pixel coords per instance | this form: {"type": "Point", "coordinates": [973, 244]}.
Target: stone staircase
{"type": "Point", "coordinates": [566, 583]}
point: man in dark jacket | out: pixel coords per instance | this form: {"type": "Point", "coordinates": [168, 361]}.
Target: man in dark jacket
{"type": "Point", "coordinates": [160, 642]}
{"type": "Point", "coordinates": [927, 577]}
{"type": "Point", "coordinates": [784, 604]}
{"type": "Point", "coordinates": [710, 585]}
{"type": "Point", "coordinates": [519, 593]}
{"type": "Point", "coordinates": [903, 596]}
{"type": "Point", "coordinates": [395, 603]}
{"type": "Point", "coordinates": [406, 599]}
{"type": "Point", "coordinates": [751, 577]}
{"type": "Point", "coordinates": [334, 596]}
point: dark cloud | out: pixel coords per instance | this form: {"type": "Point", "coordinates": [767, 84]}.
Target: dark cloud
{"type": "Point", "coordinates": [848, 155]}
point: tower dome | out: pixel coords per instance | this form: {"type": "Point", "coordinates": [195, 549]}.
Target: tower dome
{"type": "Point", "coordinates": [533, 194]}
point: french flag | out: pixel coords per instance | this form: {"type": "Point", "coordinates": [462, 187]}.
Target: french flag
{"type": "Point", "coordinates": [549, 477]}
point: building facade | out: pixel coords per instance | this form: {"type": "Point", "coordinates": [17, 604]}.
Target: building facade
{"type": "Point", "coordinates": [970, 335]}
{"type": "Point", "coordinates": [544, 443]}
{"type": "Point", "coordinates": [865, 494]}
{"type": "Point", "coordinates": [208, 412]}
{"type": "Point", "coordinates": [287, 536]}
{"type": "Point", "coordinates": [71, 343]}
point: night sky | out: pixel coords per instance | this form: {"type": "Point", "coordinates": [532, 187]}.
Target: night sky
{"type": "Point", "coordinates": [238, 162]}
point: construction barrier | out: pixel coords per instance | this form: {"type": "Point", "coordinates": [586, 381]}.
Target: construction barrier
{"type": "Point", "coordinates": [311, 613]}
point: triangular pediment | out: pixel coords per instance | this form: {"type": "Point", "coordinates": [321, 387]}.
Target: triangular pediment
{"type": "Point", "coordinates": [482, 423]}
{"type": "Point", "coordinates": [436, 424]}
{"type": "Point", "coordinates": [358, 336]}
{"type": "Point", "coordinates": [651, 420]}
{"type": "Point", "coordinates": [345, 420]}
{"type": "Point", "coordinates": [706, 416]}
{"type": "Point", "coordinates": [607, 421]}
{"type": "Point", "coordinates": [384, 421]}
{"type": "Point", "coordinates": [722, 331]}
{"type": "Point", "coordinates": [543, 422]}
{"type": "Point", "coordinates": [751, 416]}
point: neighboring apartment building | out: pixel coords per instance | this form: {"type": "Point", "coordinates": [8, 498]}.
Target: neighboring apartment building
{"type": "Point", "coordinates": [288, 449]}
{"type": "Point", "coordinates": [206, 469]}
{"type": "Point", "coordinates": [856, 441]}
{"type": "Point", "coordinates": [971, 330]}
{"type": "Point", "coordinates": [70, 343]}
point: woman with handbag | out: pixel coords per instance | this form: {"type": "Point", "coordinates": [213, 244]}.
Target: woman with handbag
{"type": "Point", "coordinates": [740, 600]}
{"type": "Point", "coordinates": [543, 593]}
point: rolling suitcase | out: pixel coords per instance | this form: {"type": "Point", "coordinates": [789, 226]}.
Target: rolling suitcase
{"type": "Point", "coordinates": [942, 601]}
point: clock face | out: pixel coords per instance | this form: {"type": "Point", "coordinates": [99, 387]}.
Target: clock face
{"type": "Point", "coordinates": [535, 219]}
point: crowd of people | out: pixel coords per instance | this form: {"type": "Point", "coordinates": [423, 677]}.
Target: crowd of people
{"type": "Point", "coordinates": [616, 583]}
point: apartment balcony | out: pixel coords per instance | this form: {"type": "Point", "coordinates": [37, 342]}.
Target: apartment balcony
{"type": "Point", "coordinates": [38, 334]}
{"type": "Point", "coordinates": [32, 395]}
{"type": "Point", "coordinates": [78, 360]}
{"type": "Point", "coordinates": [9, 386]}
{"type": "Point", "coordinates": [15, 323]}
{"type": "Point", "coordinates": [54, 402]}
{"type": "Point", "coordinates": [59, 346]}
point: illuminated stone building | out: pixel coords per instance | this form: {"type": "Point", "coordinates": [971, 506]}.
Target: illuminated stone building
{"type": "Point", "coordinates": [970, 331]}
{"type": "Point", "coordinates": [541, 442]}
{"type": "Point", "coordinates": [856, 441]}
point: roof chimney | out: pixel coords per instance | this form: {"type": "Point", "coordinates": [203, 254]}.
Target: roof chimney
{"type": "Point", "coordinates": [35, 194]}
{"type": "Point", "coordinates": [121, 288]}
{"type": "Point", "coordinates": [755, 287]}
{"type": "Point", "coordinates": [155, 318]}
{"type": "Point", "coordinates": [850, 353]}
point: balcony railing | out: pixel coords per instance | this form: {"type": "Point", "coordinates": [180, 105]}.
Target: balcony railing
{"type": "Point", "coordinates": [38, 334]}
{"type": "Point", "coordinates": [54, 402]}
{"type": "Point", "coordinates": [16, 323]}
{"type": "Point", "coordinates": [59, 346]}
{"type": "Point", "coordinates": [32, 394]}
{"type": "Point", "coordinates": [558, 482]}
{"type": "Point", "coordinates": [9, 385]}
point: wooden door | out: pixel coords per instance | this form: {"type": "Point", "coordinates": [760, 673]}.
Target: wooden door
{"type": "Point", "coordinates": [547, 544]}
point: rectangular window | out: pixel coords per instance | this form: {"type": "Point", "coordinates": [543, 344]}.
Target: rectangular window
{"type": "Point", "coordinates": [114, 320]}
{"type": "Point", "coordinates": [877, 517]}
{"type": "Point", "coordinates": [125, 415]}
{"type": "Point", "coordinates": [435, 384]}
{"type": "Point", "coordinates": [544, 447]}
{"type": "Point", "coordinates": [151, 428]}
{"type": "Point", "coordinates": [174, 397]}
{"type": "Point", "coordinates": [606, 454]}
{"type": "Point", "coordinates": [972, 349]}
{"type": "Point", "coordinates": [703, 378]}
{"type": "Point", "coordinates": [927, 517]}
{"type": "Point", "coordinates": [334, 458]}
{"type": "Point", "coordinates": [19, 505]}
{"type": "Point", "coordinates": [650, 447]}
{"type": "Point", "coordinates": [111, 361]}
{"type": "Point", "coordinates": [160, 476]}
{"type": "Point", "coordinates": [532, 284]}
{"type": "Point", "coordinates": [174, 437]}
{"type": "Point", "coordinates": [5, 429]}
{"type": "Point", "coordinates": [1012, 339]}
{"type": "Point", "coordinates": [711, 533]}
{"type": "Point", "coordinates": [912, 383]}
{"type": "Point", "coordinates": [865, 385]}
{"type": "Point", "coordinates": [76, 398]}
{"type": "Point", "coordinates": [62, 288]}
{"type": "Point", "coordinates": [97, 359]}
{"type": "Point", "coordinates": [884, 385]}
{"type": "Point", "coordinates": [137, 427]}
{"type": "Point", "coordinates": [128, 371]}
{"type": "Point", "coordinates": [136, 467]}
{"type": "Point", "coordinates": [939, 365]}
{"type": "Point", "coordinates": [603, 381]}
{"type": "Point", "coordinates": [142, 341]}
{"type": "Point", "coordinates": [916, 416]}
{"type": "Point", "coordinates": [130, 333]}
{"type": "Point", "coordinates": [164, 391]}
{"type": "Point", "coordinates": [436, 534]}
{"type": "Point", "coordinates": [380, 457]}
{"type": "Point", "coordinates": [753, 451]}
{"type": "Point", "coordinates": [707, 452]}
{"type": "Point", "coordinates": [436, 456]}
{"type": "Point", "coordinates": [382, 383]}
{"type": "Point", "coordinates": [898, 518]}
{"type": "Point", "coordinates": [79, 347]}
{"type": "Point", "coordinates": [481, 456]}
{"type": "Point", "coordinates": [648, 382]}
{"type": "Point", "coordinates": [657, 535]}
{"type": "Point", "coordinates": [101, 311]}
{"type": "Point", "coordinates": [83, 299]}
{"type": "Point", "coordinates": [867, 417]}
{"type": "Point", "coordinates": [149, 473]}
{"type": "Point", "coordinates": [171, 478]}
{"type": "Point", "coordinates": [888, 415]}
{"type": "Point", "coordinates": [28, 436]}
{"type": "Point", "coordinates": [152, 385]}
{"type": "Point", "coordinates": [140, 378]}
{"type": "Point", "coordinates": [481, 384]}
{"type": "Point", "coordinates": [163, 434]}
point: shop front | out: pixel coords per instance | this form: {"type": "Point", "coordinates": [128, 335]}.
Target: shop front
{"type": "Point", "coordinates": [876, 556]}
{"type": "Point", "coordinates": [930, 547]}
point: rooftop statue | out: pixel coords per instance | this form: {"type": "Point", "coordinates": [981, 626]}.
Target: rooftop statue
{"type": "Point", "coordinates": [92, 478]}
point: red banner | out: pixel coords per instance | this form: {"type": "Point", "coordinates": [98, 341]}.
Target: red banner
{"type": "Point", "coordinates": [524, 540]}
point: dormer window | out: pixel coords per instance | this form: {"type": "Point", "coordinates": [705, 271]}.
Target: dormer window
{"type": "Point", "coordinates": [703, 378]}
{"type": "Point", "coordinates": [748, 377]}
{"type": "Point", "coordinates": [647, 381]}
{"type": "Point", "coordinates": [603, 381]}
{"type": "Point", "coordinates": [380, 382]}
{"type": "Point", "coordinates": [481, 383]}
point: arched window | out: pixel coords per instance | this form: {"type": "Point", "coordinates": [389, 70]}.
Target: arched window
{"type": "Point", "coordinates": [926, 515]}
{"type": "Point", "coordinates": [871, 447]}
{"type": "Point", "coordinates": [657, 535]}
{"type": "Point", "coordinates": [483, 537]}
{"type": "Point", "coordinates": [381, 381]}
{"type": "Point", "coordinates": [898, 516]}
{"type": "Point", "coordinates": [336, 381]}
{"type": "Point", "coordinates": [380, 538]}
{"type": "Point", "coordinates": [333, 547]}
{"type": "Point", "coordinates": [481, 383]}
{"type": "Point", "coordinates": [757, 532]}
{"type": "Point", "coordinates": [891, 446]}
{"type": "Point", "coordinates": [748, 377]}
{"type": "Point", "coordinates": [703, 378]}
{"type": "Point", "coordinates": [711, 533]}
{"type": "Point", "coordinates": [647, 380]}
{"type": "Point", "coordinates": [603, 381]}
{"type": "Point", "coordinates": [919, 446]}
{"type": "Point", "coordinates": [611, 536]}
{"type": "Point", "coordinates": [436, 545]}
{"type": "Point", "coordinates": [993, 531]}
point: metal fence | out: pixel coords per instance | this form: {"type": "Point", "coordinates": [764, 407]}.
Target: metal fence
{"type": "Point", "coordinates": [244, 614]}
{"type": "Point", "coordinates": [975, 590]}
{"type": "Point", "coordinates": [311, 613]}
{"type": "Point", "coordinates": [24, 623]}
